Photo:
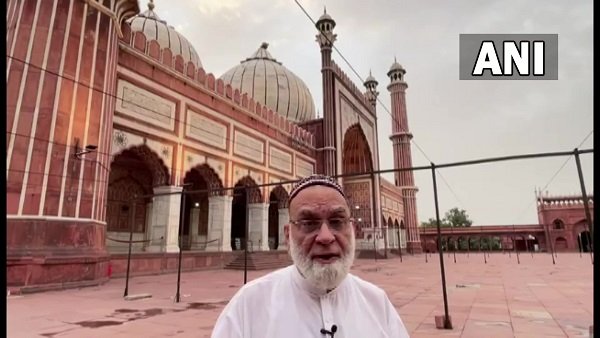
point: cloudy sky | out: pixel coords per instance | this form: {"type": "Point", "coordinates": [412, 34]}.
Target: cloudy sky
{"type": "Point", "coordinates": [451, 120]}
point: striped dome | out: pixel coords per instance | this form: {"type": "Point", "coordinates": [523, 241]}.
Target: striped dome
{"type": "Point", "coordinates": [270, 83]}
{"type": "Point", "coordinates": [167, 37]}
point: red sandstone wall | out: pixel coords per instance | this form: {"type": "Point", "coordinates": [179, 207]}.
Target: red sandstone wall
{"type": "Point", "coordinates": [573, 218]}
{"type": "Point", "coordinates": [208, 91]}
{"type": "Point", "coordinates": [61, 57]}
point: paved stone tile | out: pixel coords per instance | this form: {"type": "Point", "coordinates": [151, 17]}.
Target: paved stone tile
{"type": "Point", "coordinates": [496, 299]}
{"type": "Point", "coordinates": [482, 329]}
{"type": "Point", "coordinates": [430, 329]}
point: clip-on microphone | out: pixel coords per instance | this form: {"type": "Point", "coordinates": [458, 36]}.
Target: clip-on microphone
{"type": "Point", "coordinates": [330, 333]}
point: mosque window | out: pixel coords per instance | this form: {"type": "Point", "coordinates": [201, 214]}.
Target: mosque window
{"type": "Point", "coordinates": [558, 224]}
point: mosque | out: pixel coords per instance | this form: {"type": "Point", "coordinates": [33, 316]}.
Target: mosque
{"type": "Point", "coordinates": [110, 115]}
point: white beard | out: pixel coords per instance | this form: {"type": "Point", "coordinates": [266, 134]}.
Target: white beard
{"type": "Point", "coordinates": [323, 276]}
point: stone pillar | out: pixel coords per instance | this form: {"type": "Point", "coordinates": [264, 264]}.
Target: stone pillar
{"type": "Point", "coordinates": [403, 238]}
{"type": "Point", "coordinates": [284, 218]}
{"type": "Point", "coordinates": [219, 223]}
{"type": "Point", "coordinates": [195, 240]}
{"type": "Point", "coordinates": [392, 238]}
{"type": "Point", "coordinates": [148, 233]}
{"type": "Point", "coordinates": [165, 219]}
{"type": "Point", "coordinates": [258, 226]}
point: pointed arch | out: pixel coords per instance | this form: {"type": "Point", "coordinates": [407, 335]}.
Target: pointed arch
{"type": "Point", "coordinates": [356, 156]}
{"type": "Point", "coordinates": [208, 174]}
{"type": "Point", "coordinates": [584, 240]}
{"type": "Point", "coordinates": [196, 208]}
{"type": "Point", "coordinates": [245, 192]}
{"type": "Point", "coordinates": [281, 195]}
{"type": "Point", "coordinates": [580, 226]}
{"type": "Point", "coordinates": [558, 224]}
{"type": "Point", "coordinates": [278, 199]}
{"type": "Point", "coordinates": [160, 172]}
{"type": "Point", "coordinates": [254, 194]}
{"type": "Point", "coordinates": [134, 172]}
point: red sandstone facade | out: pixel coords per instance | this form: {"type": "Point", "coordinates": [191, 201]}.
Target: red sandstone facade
{"type": "Point", "coordinates": [79, 75]}
{"type": "Point", "coordinates": [562, 227]}
{"type": "Point", "coordinates": [565, 221]}
{"type": "Point", "coordinates": [55, 221]}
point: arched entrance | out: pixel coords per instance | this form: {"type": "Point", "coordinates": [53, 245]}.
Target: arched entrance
{"type": "Point", "coordinates": [452, 244]}
{"type": "Point", "coordinates": [462, 244]}
{"type": "Point", "coordinates": [532, 243]}
{"type": "Point", "coordinates": [239, 206]}
{"type": "Point", "coordinates": [357, 159]}
{"type": "Point", "coordinates": [133, 172]}
{"type": "Point", "coordinates": [474, 243]}
{"type": "Point", "coordinates": [398, 234]}
{"type": "Point", "coordinates": [277, 200]}
{"type": "Point", "coordinates": [496, 243]}
{"type": "Point", "coordinates": [403, 232]}
{"type": "Point", "coordinates": [431, 246]}
{"type": "Point", "coordinates": [584, 242]}
{"type": "Point", "coordinates": [390, 225]}
{"type": "Point", "coordinates": [196, 210]}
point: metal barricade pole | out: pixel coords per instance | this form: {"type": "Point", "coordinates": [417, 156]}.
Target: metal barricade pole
{"type": "Point", "coordinates": [182, 210]}
{"type": "Point", "coordinates": [447, 322]}
{"type": "Point", "coordinates": [126, 293]}
{"type": "Point", "coordinates": [246, 239]}
{"type": "Point", "coordinates": [585, 206]}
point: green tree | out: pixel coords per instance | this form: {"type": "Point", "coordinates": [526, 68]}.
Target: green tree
{"type": "Point", "coordinates": [432, 223]}
{"type": "Point", "coordinates": [456, 217]}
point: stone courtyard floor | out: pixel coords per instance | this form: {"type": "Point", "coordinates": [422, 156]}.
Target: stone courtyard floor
{"type": "Point", "coordinates": [499, 299]}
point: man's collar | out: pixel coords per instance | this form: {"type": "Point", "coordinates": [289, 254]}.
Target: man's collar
{"type": "Point", "coordinates": [305, 285]}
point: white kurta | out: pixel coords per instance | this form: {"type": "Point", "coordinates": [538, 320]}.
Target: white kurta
{"type": "Point", "coordinates": [284, 304]}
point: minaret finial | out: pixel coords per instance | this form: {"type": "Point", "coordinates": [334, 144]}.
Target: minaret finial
{"type": "Point", "coordinates": [151, 5]}
{"type": "Point", "coordinates": [370, 72]}
{"type": "Point", "coordinates": [395, 59]}
{"type": "Point", "coordinates": [324, 9]}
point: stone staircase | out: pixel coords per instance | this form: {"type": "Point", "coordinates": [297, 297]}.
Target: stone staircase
{"type": "Point", "coordinates": [260, 260]}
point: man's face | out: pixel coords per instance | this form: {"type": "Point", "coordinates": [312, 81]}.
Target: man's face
{"type": "Point", "coordinates": [320, 235]}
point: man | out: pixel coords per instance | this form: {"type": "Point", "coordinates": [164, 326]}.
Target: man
{"type": "Point", "coordinates": [316, 296]}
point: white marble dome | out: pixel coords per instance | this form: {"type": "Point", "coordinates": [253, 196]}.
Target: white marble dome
{"type": "Point", "coordinates": [167, 37]}
{"type": "Point", "coordinates": [270, 83]}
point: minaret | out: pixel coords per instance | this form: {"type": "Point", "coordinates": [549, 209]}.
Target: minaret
{"type": "Point", "coordinates": [371, 94]}
{"type": "Point", "coordinates": [326, 38]}
{"type": "Point", "coordinates": [402, 157]}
